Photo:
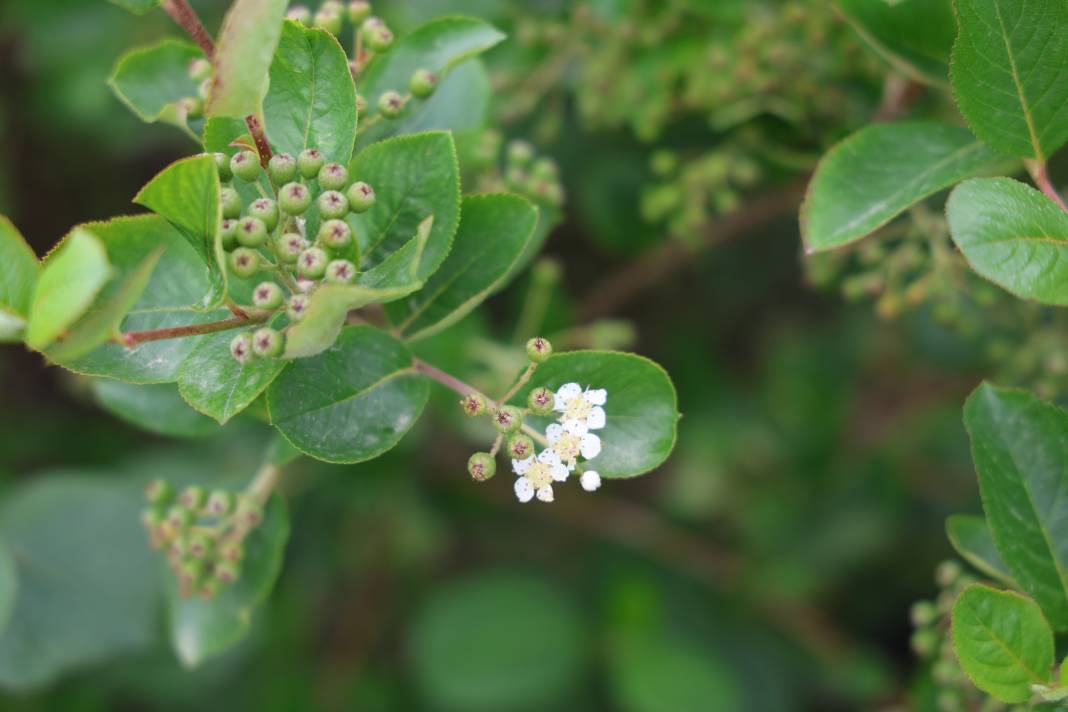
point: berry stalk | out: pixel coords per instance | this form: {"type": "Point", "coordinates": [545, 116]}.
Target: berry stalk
{"type": "Point", "coordinates": [130, 339]}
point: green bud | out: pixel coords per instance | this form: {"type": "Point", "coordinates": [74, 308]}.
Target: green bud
{"type": "Point", "coordinates": [312, 263]}
{"type": "Point", "coordinates": [298, 304]}
{"type": "Point", "coordinates": [520, 447]}
{"type": "Point", "coordinates": [300, 14]}
{"type": "Point", "coordinates": [923, 613]}
{"type": "Point", "coordinates": [231, 203]}
{"type": "Point", "coordinates": [333, 176]}
{"type": "Point", "coordinates": [482, 466]}
{"type": "Point", "coordinates": [341, 272]}
{"type": "Point", "coordinates": [329, 21]}
{"type": "Point", "coordinates": [241, 348]}
{"type": "Point", "coordinates": [251, 232]}
{"type": "Point", "coordinates": [539, 350]}
{"type": "Point", "coordinates": [267, 343]}
{"type": "Point", "coordinates": [266, 210]}
{"type": "Point", "coordinates": [231, 551]}
{"type": "Point", "coordinates": [294, 198]}
{"type": "Point", "coordinates": [190, 572]}
{"type": "Point", "coordinates": [227, 572]}
{"type": "Point", "coordinates": [267, 295]}
{"type": "Point", "coordinates": [245, 165]}
{"type": "Point", "coordinates": [249, 513]}
{"type": "Point", "coordinates": [474, 405]}
{"type": "Point", "coordinates": [335, 234]}
{"type": "Point", "coordinates": [360, 196]}
{"type": "Point", "coordinates": [289, 246]}
{"type": "Point", "coordinates": [159, 492]}
{"type": "Point", "coordinates": [179, 517]}
{"type": "Point", "coordinates": [209, 588]}
{"type": "Point", "coordinates": [309, 162]}
{"type": "Point", "coordinates": [423, 83]}
{"type": "Point", "coordinates": [359, 10]}
{"type": "Point", "coordinates": [220, 503]}
{"type": "Point", "coordinates": [332, 205]}
{"type": "Point", "coordinates": [924, 642]}
{"type": "Point", "coordinates": [222, 164]}
{"type": "Point", "coordinates": [507, 419]}
{"type": "Point", "coordinates": [193, 497]}
{"type": "Point", "coordinates": [947, 573]}
{"type": "Point", "coordinates": [541, 401]}
{"type": "Point", "coordinates": [152, 518]}
{"type": "Point", "coordinates": [391, 104]}
{"type": "Point", "coordinates": [199, 69]}
{"type": "Point", "coordinates": [376, 35]}
{"type": "Point", "coordinates": [200, 545]}
{"type": "Point", "coordinates": [282, 167]}
{"type": "Point", "coordinates": [244, 262]}
{"type": "Point", "coordinates": [228, 234]}
{"type": "Point", "coordinates": [520, 152]}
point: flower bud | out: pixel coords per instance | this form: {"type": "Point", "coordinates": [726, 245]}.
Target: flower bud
{"type": "Point", "coordinates": [333, 205]}
{"type": "Point", "coordinates": [360, 196]}
{"type": "Point", "coordinates": [329, 21]}
{"type": "Point", "coordinates": [376, 35]}
{"type": "Point", "coordinates": [312, 263]}
{"type": "Point", "coordinates": [245, 165]}
{"type": "Point", "coordinates": [298, 304]}
{"type": "Point", "coordinates": [289, 246]}
{"type": "Point", "coordinates": [590, 481]}
{"type": "Point", "coordinates": [520, 447]}
{"type": "Point", "coordinates": [359, 10]}
{"type": "Point", "coordinates": [541, 401]}
{"type": "Point", "coordinates": [423, 83]}
{"type": "Point", "coordinates": [244, 262]}
{"type": "Point", "coordinates": [227, 572]}
{"type": "Point", "coordinates": [482, 466]}
{"type": "Point", "coordinates": [222, 164]}
{"type": "Point", "coordinates": [266, 210]}
{"type": "Point", "coordinates": [190, 572]}
{"type": "Point", "coordinates": [241, 348]}
{"type": "Point", "coordinates": [300, 14]}
{"type": "Point", "coordinates": [267, 343]}
{"type": "Point", "coordinates": [474, 404]}
{"type": "Point", "coordinates": [335, 234]}
{"type": "Point", "coordinates": [391, 104]}
{"type": "Point", "coordinates": [159, 492]}
{"type": "Point", "coordinates": [267, 295]}
{"type": "Point", "coordinates": [294, 198]}
{"type": "Point", "coordinates": [199, 69]}
{"type": "Point", "coordinates": [923, 613]}
{"type": "Point", "coordinates": [281, 168]}
{"type": "Point", "coordinates": [309, 162]}
{"type": "Point", "coordinates": [220, 503]}
{"type": "Point", "coordinates": [947, 573]}
{"type": "Point", "coordinates": [231, 551]}
{"type": "Point", "coordinates": [228, 234]}
{"type": "Point", "coordinates": [251, 232]}
{"type": "Point", "coordinates": [231, 203]}
{"type": "Point", "coordinates": [333, 176]}
{"type": "Point", "coordinates": [507, 419]}
{"type": "Point", "coordinates": [249, 513]}
{"type": "Point", "coordinates": [539, 350]}
{"type": "Point", "coordinates": [341, 272]}
{"type": "Point", "coordinates": [193, 497]}
{"type": "Point", "coordinates": [200, 546]}
{"type": "Point", "coordinates": [179, 517]}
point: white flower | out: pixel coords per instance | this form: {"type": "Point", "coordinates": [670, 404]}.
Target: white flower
{"type": "Point", "coordinates": [590, 480]}
{"type": "Point", "coordinates": [572, 439]}
{"type": "Point", "coordinates": [537, 474]}
{"type": "Point", "coordinates": [573, 403]}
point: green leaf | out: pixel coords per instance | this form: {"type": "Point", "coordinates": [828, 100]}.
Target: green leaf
{"type": "Point", "coordinates": [249, 35]}
{"type": "Point", "coordinates": [86, 585]}
{"type": "Point", "coordinates": [1020, 445]}
{"type": "Point", "coordinates": [401, 268]}
{"type": "Point", "coordinates": [523, 643]}
{"type": "Point", "coordinates": [9, 584]}
{"type": "Point", "coordinates": [137, 7]}
{"type": "Point", "coordinates": [186, 193]}
{"type": "Point", "coordinates": [971, 537]}
{"type": "Point", "coordinates": [70, 278]}
{"type": "Point", "coordinates": [494, 231]}
{"type": "Point", "coordinates": [311, 100]}
{"type": "Point", "coordinates": [1007, 73]}
{"type": "Point", "coordinates": [202, 628]}
{"type": "Point", "coordinates": [20, 278]}
{"type": "Point", "coordinates": [214, 383]}
{"type": "Point", "coordinates": [914, 36]}
{"type": "Point", "coordinates": [353, 401]}
{"type": "Point", "coordinates": [641, 410]}
{"type": "Point", "coordinates": [877, 173]}
{"type": "Point", "coordinates": [413, 177]}
{"type": "Point", "coordinates": [1002, 642]}
{"type": "Point", "coordinates": [151, 81]}
{"type": "Point", "coordinates": [1012, 235]}
{"type": "Point", "coordinates": [154, 407]}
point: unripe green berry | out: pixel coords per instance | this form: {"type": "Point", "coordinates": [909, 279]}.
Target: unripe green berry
{"type": "Point", "coordinates": [190, 573]}
{"type": "Point", "coordinates": [423, 83]}
{"type": "Point", "coordinates": [507, 419]}
{"type": "Point", "coordinates": [289, 246]}
{"type": "Point", "coordinates": [227, 572]}
{"type": "Point", "coordinates": [228, 234]}
{"type": "Point", "coordinates": [199, 69]}
{"type": "Point", "coordinates": [474, 405]}
{"type": "Point", "coordinates": [267, 295]}
{"type": "Point", "coordinates": [241, 348]}
{"type": "Point", "coordinates": [481, 466]}
{"type": "Point", "coordinates": [231, 551]}
{"type": "Point", "coordinates": [244, 262]}
{"type": "Point", "coordinates": [520, 447]}
{"type": "Point", "coordinates": [329, 21]}
{"type": "Point", "coordinates": [312, 263]}
{"type": "Point", "coordinates": [151, 518]}
{"type": "Point", "coordinates": [231, 203]}
{"type": "Point", "coordinates": [299, 13]}
{"type": "Point", "coordinates": [309, 162]}
{"type": "Point", "coordinates": [539, 350]}
{"type": "Point", "coordinates": [208, 588]}
{"type": "Point", "coordinates": [249, 513]}
{"type": "Point", "coordinates": [159, 492]}
{"type": "Point", "coordinates": [200, 546]}
{"type": "Point", "coordinates": [359, 10]}
{"type": "Point", "coordinates": [924, 642]}
{"type": "Point", "coordinates": [520, 152]}
{"type": "Point", "coordinates": [360, 196]}
{"type": "Point", "coordinates": [376, 35]}
{"type": "Point", "coordinates": [297, 305]}
{"type": "Point", "coordinates": [923, 613]}
{"type": "Point", "coordinates": [391, 104]}
{"type": "Point", "coordinates": [341, 272]}
{"type": "Point", "coordinates": [545, 169]}
{"type": "Point", "coordinates": [267, 342]}
{"type": "Point", "coordinates": [333, 176]}
{"type": "Point", "coordinates": [222, 164]}
{"type": "Point", "coordinates": [947, 573]}
{"type": "Point", "coordinates": [220, 503]}
{"type": "Point", "coordinates": [193, 497]}
{"type": "Point", "coordinates": [266, 210]}
{"type": "Point", "coordinates": [335, 234]}
{"type": "Point", "coordinates": [541, 401]}
{"type": "Point", "coordinates": [251, 232]}
{"type": "Point", "coordinates": [282, 167]}
{"type": "Point", "coordinates": [332, 205]}
{"type": "Point", "coordinates": [361, 103]}
{"type": "Point", "coordinates": [294, 198]}
{"type": "Point", "coordinates": [245, 165]}
{"type": "Point", "coordinates": [179, 517]}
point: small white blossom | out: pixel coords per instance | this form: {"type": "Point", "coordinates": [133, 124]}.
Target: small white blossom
{"type": "Point", "coordinates": [537, 474]}
{"type": "Point", "coordinates": [573, 403]}
{"type": "Point", "coordinates": [572, 439]}
{"type": "Point", "coordinates": [590, 480]}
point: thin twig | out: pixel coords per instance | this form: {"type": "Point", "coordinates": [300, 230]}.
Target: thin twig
{"type": "Point", "coordinates": [451, 382]}
{"type": "Point", "coordinates": [255, 127]}
{"type": "Point", "coordinates": [186, 18]}
{"type": "Point", "coordinates": [519, 384]}
{"type": "Point", "coordinates": [264, 482]}
{"type": "Point", "coordinates": [130, 339]}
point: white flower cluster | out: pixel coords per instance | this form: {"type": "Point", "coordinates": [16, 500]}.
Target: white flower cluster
{"type": "Point", "coordinates": [580, 412]}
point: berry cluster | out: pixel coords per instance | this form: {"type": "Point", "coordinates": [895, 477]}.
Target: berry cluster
{"type": "Point", "coordinates": [532, 176]}
{"type": "Point", "coordinates": [202, 534]}
{"type": "Point", "coordinates": [269, 234]}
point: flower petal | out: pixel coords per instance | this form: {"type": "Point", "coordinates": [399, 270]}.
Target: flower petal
{"type": "Point", "coordinates": [521, 466]}
{"type": "Point", "coordinates": [596, 419]}
{"type": "Point", "coordinates": [590, 480]}
{"type": "Point", "coordinates": [597, 397]}
{"type": "Point", "coordinates": [575, 427]}
{"type": "Point", "coordinates": [549, 457]}
{"type": "Point", "coordinates": [524, 489]}
{"type": "Point", "coordinates": [553, 432]}
{"type": "Point", "coordinates": [559, 472]}
{"type": "Point", "coordinates": [565, 393]}
{"type": "Point", "coordinates": [590, 446]}
{"type": "Point", "coordinates": [545, 494]}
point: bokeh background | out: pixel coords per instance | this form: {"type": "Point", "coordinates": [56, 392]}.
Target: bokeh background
{"type": "Point", "coordinates": [768, 565]}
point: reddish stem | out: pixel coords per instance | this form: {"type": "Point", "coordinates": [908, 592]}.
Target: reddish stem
{"type": "Point", "coordinates": [255, 127]}
{"type": "Point", "coordinates": [450, 382]}
{"type": "Point", "coordinates": [130, 339]}
{"type": "Point", "coordinates": [1040, 175]}
{"type": "Point", "coordinates": [186, 18]}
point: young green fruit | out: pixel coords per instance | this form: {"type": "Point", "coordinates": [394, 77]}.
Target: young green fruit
{"type": "Point", "coordinates": [391, 104]}
{"type": "Point", "coordinates": [193, 497]}
{"type": "Point", "coordinates": [333, 176]}
{"type": "Point", "coordinates": [507, 419]}
{"type": "Point", "coordinates": [267, 342]}
{"type": "Point", "coordinates": [228, 234]}
{"type": "Point", "coordinates": [423, 83]}
{"type": "Point", "coordinates": [361, 197]}
{"type": "Point", "coordinates": [539, 350]}
{"type": "Point", "coordinates": [312, 263]}
{"type": "Point", "coordinates": [309, 162]}
{"type": "Point", "coordinates": [298, 304]}
{"type": "Point", "coordinates": [541, 401]}
{"type": "Point", "coordinates": [377, 37]}
{"type": "Point", "coordinates": [481, 466]}
{"type": "Point", "coordinates": [335, 234]}
{"type": "Point", "coordinates": [299, 13]}
{"type": "Point", "coordinates": [222, 164]}
{"type": "Point", "coordinates": [220, 503]}
{"type": "Point", "coordinates": [241, 348]}
{"type": "Point", "coordinates": [244, 262]}
{"type": "Point", "coordinates": [341, 272]}
{"type": "Point", "coordinates": [266, 210]}
{"type": "Point", "coordinates": [289, 247]}
{"type": "Point", "coordinates": [294, 198]}
{"type": "Point", "coordinates": [281, 168]}
{"type": "Point", "coordinates": [200, 546]}
{"type": "Point", "coordinates": [329, 21]}
{"type": "Point", "coordinates": [226, 572]}
{"type": "Point", "coordinates": [545, 168]}
{"type": "Point", "coordinates": [520, 152]}
{"type": "Point", "coordinates": [359, 10]}
{"type": "Point", "coordinates": [520, 447]}
{"type": "Point", "coordinates": [473, 404]}
{"type": "Point", "coordinates": [267, 295]}
{"type": "Point", "coordinates": [251, 232]}
{"type": "Point", "coordinates": [179, 517]}
{"type": "Point", "coordinates": [245, 165]}
{"type": "Point", "coordinates": [333, 205]}
{"type": "Point", "coordinates": [361, 103]}
{"type": "Point", "coordinates": [231, 203]}
{"type": "Point", "coordinates": [159, 492]}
